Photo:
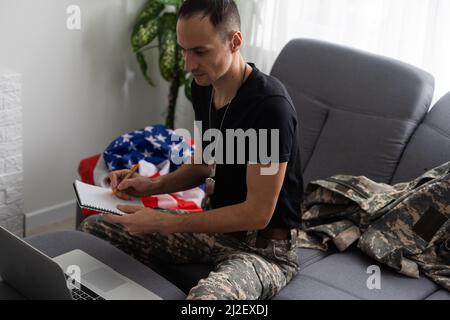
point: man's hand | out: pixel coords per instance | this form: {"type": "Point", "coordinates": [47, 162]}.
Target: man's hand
{"type": "Point", "coordinates": [136, 186]}
{"type": "Point", "coordinates": [140, 220]}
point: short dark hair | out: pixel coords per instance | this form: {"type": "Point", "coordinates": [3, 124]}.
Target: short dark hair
{"type": "Point", "coordinates": [223, 14]}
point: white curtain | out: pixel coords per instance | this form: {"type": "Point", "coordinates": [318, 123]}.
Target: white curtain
{"type": "Point", "coordinates": [414, 31]}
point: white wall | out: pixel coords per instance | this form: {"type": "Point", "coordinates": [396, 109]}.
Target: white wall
{"type": "Point", "coordinates": [81, 89]}
{"type": "Point", "coordinates": [11, 162]}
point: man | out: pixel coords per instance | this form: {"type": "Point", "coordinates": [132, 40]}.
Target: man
{"type": "Point", "coordinates": [249, 233]}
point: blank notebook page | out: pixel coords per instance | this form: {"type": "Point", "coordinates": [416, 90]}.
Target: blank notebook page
{"type": "Point", "coordinates": [100, 199]}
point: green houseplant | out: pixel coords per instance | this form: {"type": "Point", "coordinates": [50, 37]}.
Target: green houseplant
{"type": "Point", "coordinates": [157, 22]}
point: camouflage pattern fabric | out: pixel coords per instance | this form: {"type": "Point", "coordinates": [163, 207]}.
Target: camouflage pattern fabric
{"type": "Point", "coordinates": [405, 226]}
{"type": "Point", "coordinates": [241, 271]}
{"type": "Point", "coordinates": [415, 234]}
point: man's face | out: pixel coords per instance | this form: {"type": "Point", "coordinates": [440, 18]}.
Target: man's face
{"type": "Point", "coordinates": [207, 55]}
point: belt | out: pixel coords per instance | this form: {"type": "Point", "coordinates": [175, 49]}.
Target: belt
{"type": "Point", "coordinates": [275, 234]}
{"type": "Point", "coordinates": [265, 235]}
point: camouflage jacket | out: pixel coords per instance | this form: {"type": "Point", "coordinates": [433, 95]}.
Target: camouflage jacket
{"type": "Point", "coordinates": [405, 226]}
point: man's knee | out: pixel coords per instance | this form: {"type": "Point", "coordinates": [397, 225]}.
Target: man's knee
{"type": "Point", "coordinates": [228, 284]}
{"type": "Point", "coordinates": [89, 224]}
{"type": "Point", "coordinates": [98, 226]}
{"type": "Point", "coordinates": [213, 289]}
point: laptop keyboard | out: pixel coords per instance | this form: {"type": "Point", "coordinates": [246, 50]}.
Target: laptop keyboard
{"type": "Point", "coordinates": [84, 294]}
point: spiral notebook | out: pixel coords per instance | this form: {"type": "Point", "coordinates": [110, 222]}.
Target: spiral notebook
{"type": "Point", "coordinates": [100, 199]}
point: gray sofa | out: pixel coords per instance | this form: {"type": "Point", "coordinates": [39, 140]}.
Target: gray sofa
{"type": "Point", "coordinates": [360, 114]}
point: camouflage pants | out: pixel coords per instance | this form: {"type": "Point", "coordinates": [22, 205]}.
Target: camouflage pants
{"type": "Point", "coordinates": [241, 271]}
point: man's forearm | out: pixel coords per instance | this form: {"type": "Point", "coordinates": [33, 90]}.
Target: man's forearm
{"type": "Point", "coordinates": [239, 217]}
{"type": "Point", "coordinates": [185, 178]}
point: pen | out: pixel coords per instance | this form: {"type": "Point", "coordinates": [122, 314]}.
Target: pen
{"type": "Point", "coordinates": [129, 174]}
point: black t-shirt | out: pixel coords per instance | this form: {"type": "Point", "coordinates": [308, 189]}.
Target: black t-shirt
{"type": "Point", "coordinates": [262, 102]}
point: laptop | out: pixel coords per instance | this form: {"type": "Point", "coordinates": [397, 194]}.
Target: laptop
{"type": "Point", "coordinates": [74, 275]}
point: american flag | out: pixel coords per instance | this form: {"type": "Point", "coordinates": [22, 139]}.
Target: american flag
{"type": "Point", "coordinates": [154, 144]}
{"type": "Point", "coordinates": [159, 151]}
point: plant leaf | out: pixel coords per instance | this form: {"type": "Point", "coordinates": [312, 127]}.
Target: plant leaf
{"type": "Point", "coordinates": [168, 59]}
{"type": "Point", "coordinates": [143, 64]}
{"type": "Point", "coordinates": [147, 26]}
{"type": "Point", "coordinates": [151, 10]}
{"type": "Point", "coordinates": [144, 35]}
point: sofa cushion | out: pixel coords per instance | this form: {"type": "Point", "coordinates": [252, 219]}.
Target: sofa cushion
{"type": "Point", "coordinates": [305, 288]}
{"type": "Point", "coordinates": [347, 85]}
{"type": "Point", "coordinates": [307, 257]}
{"type": "Point", "coordinates": [430, 144]}
{"type": "Point", "coordinates": [9, 293]}
{"type": "Point", "coordinates": [440, 295]}
{"type": "Point", "coordinates": [379, 140]}
{"type": "Point", "coordinates": [348, 272]}
{"type": "Point", "coordinates": [312, 117]}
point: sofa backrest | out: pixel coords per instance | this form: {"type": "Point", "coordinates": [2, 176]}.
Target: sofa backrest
{"type": "Point", "coordinates": [357, 111]}
{"type": "Point", "coordinates": [430, 144]}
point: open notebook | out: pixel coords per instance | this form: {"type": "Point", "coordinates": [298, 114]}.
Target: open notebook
{"type": "Point", "coordinates": [100, 199]}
